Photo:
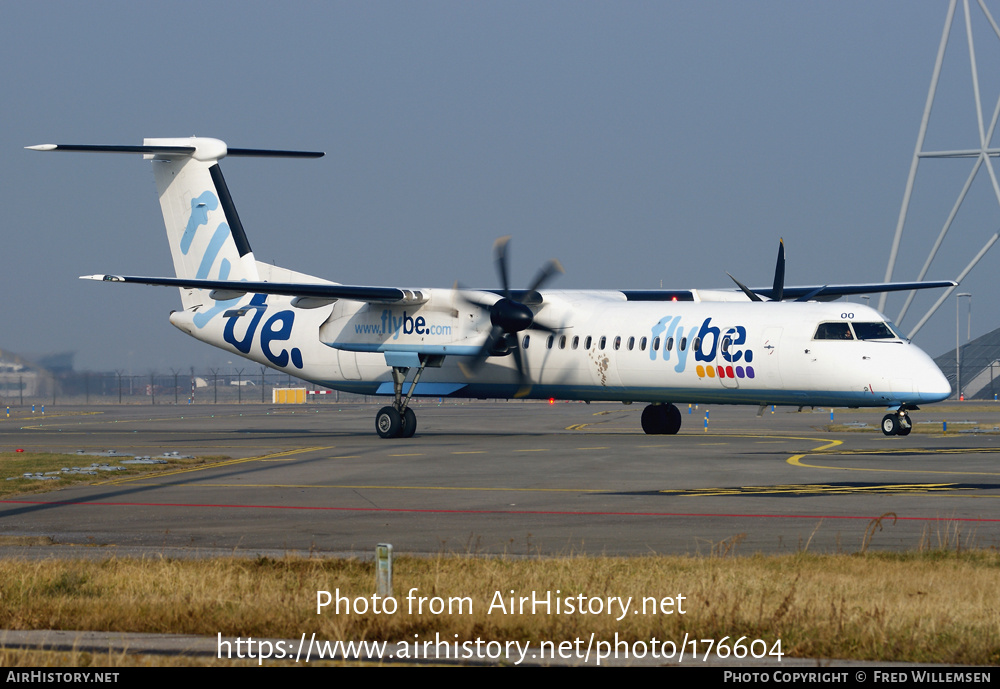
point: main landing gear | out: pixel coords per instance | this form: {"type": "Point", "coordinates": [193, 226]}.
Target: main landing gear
{"type": "Point", "coordinates": [398, 420]}
{"type": "Point", "coordinates": [661, 419]}
{"type": "Point", "coordinates": [897, 423]}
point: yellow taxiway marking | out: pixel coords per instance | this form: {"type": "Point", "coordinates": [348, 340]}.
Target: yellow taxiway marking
{"type": "Point", "coordinates": [409, 454]}
{"type": "Point", "coordinates": [797, 461]}
{"type": "Point", "coordinates": [536, 449]}
{"type": "Point", "coordinates": [816, 488]}
{"type": "Point", "coordinates": [41, 418]}
{"type": "Point", "coordinates": [469, 452]}
{"type": "Point", "coordinates": [914, 450]}
{"type": "Point", "coordinates": [581, 426]}
{"type": "Point", "coordinates": [213, 465]}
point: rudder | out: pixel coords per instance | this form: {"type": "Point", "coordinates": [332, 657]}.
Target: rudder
{"type": "Point", "coordinates": [206, 237]}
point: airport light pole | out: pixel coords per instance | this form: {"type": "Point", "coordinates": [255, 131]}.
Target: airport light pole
{"type": "Point", "coordinates": [958, 344]}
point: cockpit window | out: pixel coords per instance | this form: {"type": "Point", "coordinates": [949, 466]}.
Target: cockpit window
{"type": "Point", "coordinates": [874, 331]}
{"type": "Point", "coordinates": [833, 331]}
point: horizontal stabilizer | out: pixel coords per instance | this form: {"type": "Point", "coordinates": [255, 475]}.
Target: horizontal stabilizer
{"type": "Point", "coordinates": [179, 150]}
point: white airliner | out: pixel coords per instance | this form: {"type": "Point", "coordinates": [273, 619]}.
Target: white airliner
{"type": "Point", "coordinates": [661, 347]}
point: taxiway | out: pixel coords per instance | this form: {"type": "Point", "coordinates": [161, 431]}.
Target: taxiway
{"type": "Point", "coordinates": [519, 478]}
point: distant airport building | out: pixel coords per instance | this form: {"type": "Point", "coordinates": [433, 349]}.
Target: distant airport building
{"type": "Point", "coordinates": [21, 378]}
{"type": "Point", "coordinates": [980, 367]}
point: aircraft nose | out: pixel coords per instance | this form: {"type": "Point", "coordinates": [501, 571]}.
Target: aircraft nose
{"type": "Point", "coordinates": [934, 387]}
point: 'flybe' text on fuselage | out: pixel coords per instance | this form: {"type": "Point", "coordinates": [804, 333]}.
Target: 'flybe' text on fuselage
{"type": "Point", "coordinates": [724, 352]}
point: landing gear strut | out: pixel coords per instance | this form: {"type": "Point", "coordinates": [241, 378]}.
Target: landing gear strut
{"type": "Point", "coordinates": [897, 423]}
{"type": "Point", "coordinates": [398, 420]}
{"type": "Point", "coordinates": [661, 419]}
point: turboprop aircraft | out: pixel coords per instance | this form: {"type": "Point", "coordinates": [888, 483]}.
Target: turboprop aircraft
{"type": "Point", "coordinates": [783, 345]}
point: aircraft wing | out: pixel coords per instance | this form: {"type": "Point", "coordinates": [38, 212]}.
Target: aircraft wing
{"type": "Point", "coordinates": [831, 292]}
{"type": "Point", "coordinates": [230, 289]}
{"type": "Point", "coordinates": [798, 293]}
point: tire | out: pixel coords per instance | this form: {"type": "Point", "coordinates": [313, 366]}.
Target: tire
{"type": "Point", "coordinates": [672, 420]}
{"type": "Point", "coordinates": [388, 423]}
{"type": "Point", "coordinates": [409, 424]}
{"type": "Point", "coordinates": [890, 424]}
{"type": "Point", "coordinates": [654, 419]}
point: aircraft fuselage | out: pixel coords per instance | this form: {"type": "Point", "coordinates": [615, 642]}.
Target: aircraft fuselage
{"type": "Point", "coordinates": [604, 348]}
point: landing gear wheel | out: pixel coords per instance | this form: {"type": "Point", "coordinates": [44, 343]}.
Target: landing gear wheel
{"type": "Point", "coordinates": [654, 418]}
{"type": "Point", "coordinates": [388, 423]}
{"type": "Point", "coordinates": [890, 424]}
{"type": "Point", "coordinates": [661, 419]}
{"type": "Point", "coordinates": [409, 424]}
{"type": "Point", "coordinates": [673, 420]}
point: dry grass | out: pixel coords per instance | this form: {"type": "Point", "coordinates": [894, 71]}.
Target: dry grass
{"type": "Point", "coordinates": [933, 606]}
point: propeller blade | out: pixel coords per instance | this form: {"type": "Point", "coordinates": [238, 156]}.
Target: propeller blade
{"type": "Point", "coordinates": [522, 372]}
{"type": "Point", "coordinates": [551, 267]}
{"type": "Point", "coordinates": [500, 251]}
{"type": "Point", "coordinates": [535, 325]}
{"type": "Point", "coordinates": [746, 290]}
{"type": "Point", "coordinates": [481, 303]}
{"type": "Point", "coordinates": [778, 289]}
{"type": "Point", "coordinates": [471, 367]}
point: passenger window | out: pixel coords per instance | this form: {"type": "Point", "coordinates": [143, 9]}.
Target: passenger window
{"type": "Point", "coordinates": [576, 341]}
{"type": "Point", "coordinates": [833, 331]}
{"type": "Point", "coordinates": [524, 342]}
{"type": "Point", "coordinates": [670, 344]}
{"type": "Point", "coordinates": [618, 342]}
{"type": "Point", "coordinates": [631, 343]}
{"type": "Point", "coordinates": [642, 344]}
{"type": "Point", "coordinates": [683, 344]}
{"type": "Point", "coordinates": [656, 343]}
{"type": "Point", "coordinates": [548, 342]}
{"type": "Point", "coordinates": [697, 343]}
{"type": "Point", "coordinates": [604, 341]}
{"type": "Point", "coordinates": [562, 342]}
{"type": "Point", "coordinates": [587, 342]}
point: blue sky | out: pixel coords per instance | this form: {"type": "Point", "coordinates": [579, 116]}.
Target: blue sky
{"type": "Point", "coordinates": [637, 142]}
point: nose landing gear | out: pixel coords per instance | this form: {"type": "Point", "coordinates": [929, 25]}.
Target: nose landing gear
{"type": "Point", "coordinates": [897, 423]}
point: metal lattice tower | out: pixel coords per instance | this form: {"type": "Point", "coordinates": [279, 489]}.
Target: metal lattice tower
{"type": "Point", "coordinates": [980, 156]}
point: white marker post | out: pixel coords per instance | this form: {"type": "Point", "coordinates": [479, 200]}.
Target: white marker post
{"type": "Point", "coordinates": [383, 569]}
